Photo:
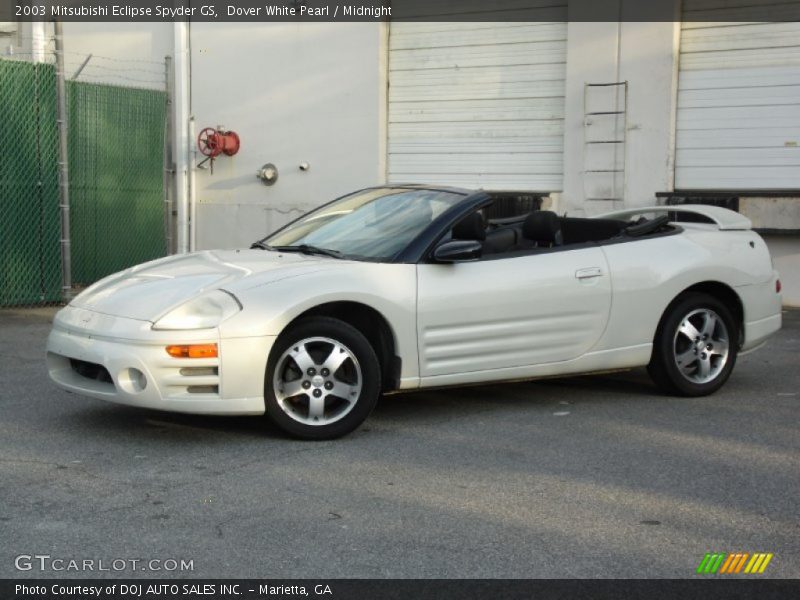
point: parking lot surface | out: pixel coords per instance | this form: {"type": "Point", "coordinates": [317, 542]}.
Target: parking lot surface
{"type": "Point", "coordinates": [597, 476]}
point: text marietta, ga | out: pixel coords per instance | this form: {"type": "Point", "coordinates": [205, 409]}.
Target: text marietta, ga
{"type": "Point", "coordinates": [192, 590]}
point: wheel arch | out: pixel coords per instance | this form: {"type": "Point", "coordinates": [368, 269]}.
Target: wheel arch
{"type": "Point", "coordinates": [722, 292]}
{"type": "Point", "coordinates": [372, 324]}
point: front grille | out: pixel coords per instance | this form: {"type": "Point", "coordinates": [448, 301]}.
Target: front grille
{"type": "Point", "coordinates": [90, 370]}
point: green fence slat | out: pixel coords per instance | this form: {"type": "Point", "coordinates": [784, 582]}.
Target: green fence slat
{"type": "Point", "coordinates": [116, 157]}
{"type": "Point", "coordinates": [30, 263]}
{"type": "Point", "coordinates": [116, 153]}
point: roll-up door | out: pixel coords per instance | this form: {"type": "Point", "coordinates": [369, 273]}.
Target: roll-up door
{"type": "Point", "coordinates": [478, 104]}
{"type": "Point", "coordinates": [738, 116]}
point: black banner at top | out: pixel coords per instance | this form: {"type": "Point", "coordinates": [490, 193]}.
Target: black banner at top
{"type": "Point", "coordinates": [398, 10]}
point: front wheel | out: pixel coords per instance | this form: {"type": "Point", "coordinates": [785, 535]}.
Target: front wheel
{"type": "Point", "coordinates": [695, 347]}
{"type": "Point", "coordinates": [322, 379]}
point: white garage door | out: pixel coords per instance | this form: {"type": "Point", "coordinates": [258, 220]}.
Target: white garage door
{"type": "Point", "coordinates": [478, 104]}
{"type": "Point", "coordinates": [738, 124]}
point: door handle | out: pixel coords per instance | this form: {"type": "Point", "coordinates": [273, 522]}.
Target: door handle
{"type": "Point", "coordinates": [588, 273]}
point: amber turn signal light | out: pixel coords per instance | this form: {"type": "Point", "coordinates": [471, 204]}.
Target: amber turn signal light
{"type": "Point", "coordinates": [193, 351]}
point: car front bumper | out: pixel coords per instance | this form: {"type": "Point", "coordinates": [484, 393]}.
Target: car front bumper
{"type": "Point", "coordinates": [125, 361]}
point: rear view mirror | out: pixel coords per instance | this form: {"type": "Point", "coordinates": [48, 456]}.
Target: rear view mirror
{"type": "Point", "coordinates": [453, 251]}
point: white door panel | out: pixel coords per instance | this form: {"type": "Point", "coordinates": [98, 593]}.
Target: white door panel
{"type": "Point", "coordinates": [511, 312]}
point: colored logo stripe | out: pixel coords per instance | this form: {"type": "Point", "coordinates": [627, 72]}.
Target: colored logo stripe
{"type": "Point", "coordinates": [727, 564]}
{"type": "Point", "coordinates": [758, 563]}
{"type": "Point", "coordinates": [723, 563]}
{"type": "Point", "coordinates": [710, 563]}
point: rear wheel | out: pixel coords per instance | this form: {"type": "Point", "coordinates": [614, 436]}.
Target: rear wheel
{"type": "Point", "coordinates": [695, 347]}
{"type": "Point", "coordinates": [322, 380]}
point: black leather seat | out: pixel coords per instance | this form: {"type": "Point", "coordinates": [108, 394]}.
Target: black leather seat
{"type": "Point", "coordinates": [542, 228]}
{"type": "Point", "coordinates": [500, 240]}
{"type": "Point", "coordinates": [470, 228]}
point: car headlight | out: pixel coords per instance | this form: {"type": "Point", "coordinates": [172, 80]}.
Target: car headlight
{"type": "Point", "coordinates": [203, 312]}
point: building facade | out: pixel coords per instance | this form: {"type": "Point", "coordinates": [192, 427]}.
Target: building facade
{"type": "Point", "coordinates": [700, 106]}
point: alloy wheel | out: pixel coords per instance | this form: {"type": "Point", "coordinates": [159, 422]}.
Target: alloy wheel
{"type": "Point", "coordinates": [701, 346]}
{"type": "Point", "coordinates": [317, 381]}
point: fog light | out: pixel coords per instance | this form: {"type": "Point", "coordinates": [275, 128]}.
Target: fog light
{"type": "Point", "coordinates": [132, 380]}
{"type": "Point", "coordinates": [193, 351]}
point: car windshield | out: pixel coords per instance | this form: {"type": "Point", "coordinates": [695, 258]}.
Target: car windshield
{"type": "Point", "coordinates": [372, 224]}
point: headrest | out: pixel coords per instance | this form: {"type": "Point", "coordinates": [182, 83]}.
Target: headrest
{"type": "Point", "coordinates": [542, 226]}
{"type": "Point", "coordinates": [470, 228]}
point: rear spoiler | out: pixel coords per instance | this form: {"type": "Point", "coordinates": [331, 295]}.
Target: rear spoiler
{"type": "Point", "coordinates": [722, 217]}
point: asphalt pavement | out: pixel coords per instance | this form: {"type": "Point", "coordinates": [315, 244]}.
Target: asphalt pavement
{"type": "Point", "coordinates": [597, 476]}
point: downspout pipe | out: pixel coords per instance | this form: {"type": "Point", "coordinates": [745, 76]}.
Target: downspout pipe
{"type": "Point", "coordinates": [38, 41]}
{"type": "Point", "coordinates": [192, 187]}
{"type": "Point", "coordinates": [182, 152]}
{"type": "Point", "coordinates": [63, 164]}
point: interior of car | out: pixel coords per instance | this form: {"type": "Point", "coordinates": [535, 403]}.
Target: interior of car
{"type": "Point", "coordinates": [544, 230]}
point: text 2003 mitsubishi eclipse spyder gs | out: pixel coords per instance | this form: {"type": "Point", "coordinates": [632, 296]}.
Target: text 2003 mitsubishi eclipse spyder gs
{"type": "Point", "coordinates": [406, 287]}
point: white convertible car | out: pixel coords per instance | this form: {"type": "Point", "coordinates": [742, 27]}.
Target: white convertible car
{"type": "Point", "coordinates": [406, 287]}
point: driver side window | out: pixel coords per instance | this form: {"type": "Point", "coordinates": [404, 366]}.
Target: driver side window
{"type": "Point", "coordinates": [499, 225]}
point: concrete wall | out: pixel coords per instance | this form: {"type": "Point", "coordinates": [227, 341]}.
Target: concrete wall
{"type": "Point", "coordinates": [645, 54]}
{"type": "Point", "coordinates": [128, 54]}
{"type": "Point", "coordinates": [295, 93]}
{"type": "Point", "coordinates": [10, 36]}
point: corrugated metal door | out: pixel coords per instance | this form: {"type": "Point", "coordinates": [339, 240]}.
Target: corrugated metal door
{"type": "Point", "coordinates": [738, 124]}
{"type": "Point", "coordinates": [478, 104]}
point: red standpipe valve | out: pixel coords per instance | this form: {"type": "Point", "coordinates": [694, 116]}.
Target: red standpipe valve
{"type": "Point", "coordinates": [213, 142]}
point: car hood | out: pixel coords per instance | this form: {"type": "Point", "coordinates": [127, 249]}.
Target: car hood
{"type": "Point", "coordinates": [149, 290]}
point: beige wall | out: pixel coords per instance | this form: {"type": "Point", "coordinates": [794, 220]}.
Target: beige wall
{"type": "Point", "coordinates": [295, 93]}
{"type": "Point", "coordinates": [645, 55]}
{"type": "Point", "coordinates": [129, 54]}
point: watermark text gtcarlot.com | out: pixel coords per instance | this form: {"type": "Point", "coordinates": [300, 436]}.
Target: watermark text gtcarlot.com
{"type": "Point", "coordinates": [48, 563]}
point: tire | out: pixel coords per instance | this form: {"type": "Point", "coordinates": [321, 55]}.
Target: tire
{"type": "Point", "coordinates": [695, 347]}
{"type": "Point", "coordinates": [322, 380]}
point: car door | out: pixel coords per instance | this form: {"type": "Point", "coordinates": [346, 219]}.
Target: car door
{"type": "Point", "coordinates": [511, 312]}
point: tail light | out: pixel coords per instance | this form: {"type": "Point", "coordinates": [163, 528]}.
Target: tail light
{"type": "Point", "coordinates": [778, 286]}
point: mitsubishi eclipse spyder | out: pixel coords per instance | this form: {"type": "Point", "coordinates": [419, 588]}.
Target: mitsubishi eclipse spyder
{"type": "Point", "coordinates": [397, 288]}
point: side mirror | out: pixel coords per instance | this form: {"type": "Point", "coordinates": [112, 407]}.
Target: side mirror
{"type": "Point", "coordinates": [453, 251]}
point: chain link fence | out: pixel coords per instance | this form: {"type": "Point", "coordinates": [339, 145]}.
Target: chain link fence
{"type": "Point", "coordinates": [116, 181]}
{"type": "Point", "coordinates": [116, 175]}
{"type": "Point", "coordinates": [30, 258]}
